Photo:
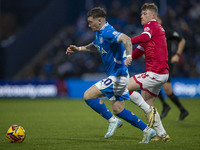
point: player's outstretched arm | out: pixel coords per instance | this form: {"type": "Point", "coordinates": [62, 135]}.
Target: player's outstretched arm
{"type": "Point", "coordinates": [128, 47]}
{"type": "Point", "coordinates": [74, 49]}
{"type": "Point", "coordinates": [89, 48]}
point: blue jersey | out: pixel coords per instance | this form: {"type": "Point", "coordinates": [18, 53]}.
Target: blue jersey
{"type": "Point", "coordinates": [112, 53]}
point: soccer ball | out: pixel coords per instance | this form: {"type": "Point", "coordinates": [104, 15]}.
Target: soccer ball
{"type": "Point", "coordinates": [15, 134]}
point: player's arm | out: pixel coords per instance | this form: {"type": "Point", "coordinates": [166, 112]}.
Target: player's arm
{"type": "Point", "coordinates": [138, 52]}
{"type": "Point", "coordinates": [181, 46]}
{"type": "Point", "coordinates": [74, 49]}
{"type": "Point", "coordinates": [128, 47]}
{"type": "Point", "coordinates": [144, 37]}
{"type": "Point", "coordinates": [88, 48]}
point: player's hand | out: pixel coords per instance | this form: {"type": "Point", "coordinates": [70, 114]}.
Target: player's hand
{"type": "Point", "coordinates": [128, 61]}
{"type": "Point", "coordinates": [72, 49]}
{"type": "Point", "coordinates": [175, 59]}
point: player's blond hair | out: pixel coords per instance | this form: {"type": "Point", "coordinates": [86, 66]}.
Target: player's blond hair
{"type": "Point", "coordinates": [150, 6]}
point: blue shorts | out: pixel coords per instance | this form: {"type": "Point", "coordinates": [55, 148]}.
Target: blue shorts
{"type": "Point", "coordinates": [115, 88]}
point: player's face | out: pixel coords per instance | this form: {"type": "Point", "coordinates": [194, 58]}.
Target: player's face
{"type": "Point", "coordinates": [94, 23]}
{"type": "Point", "coordinates": [146, 16]}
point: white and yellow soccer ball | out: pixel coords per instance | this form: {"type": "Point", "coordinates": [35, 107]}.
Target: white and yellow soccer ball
{"type": "Point", "coordinates": [15, 134]}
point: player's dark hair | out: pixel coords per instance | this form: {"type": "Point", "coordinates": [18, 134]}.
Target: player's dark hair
{"type": "Point", "coordinates": [150, 6]}
{"type": "Point", "coordinates": [97, 12]}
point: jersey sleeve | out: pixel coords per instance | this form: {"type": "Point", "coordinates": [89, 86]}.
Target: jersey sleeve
{"type": "Point", "coordinates": [145, 35]}
{"type": "Point", "coordinates": [140, 39]}
{"type": "Point", "coordinates": [112, 36]}
{"type": "Point", "coordinates": [94, 42]}
{"type": "Point", "coordinates": [173, 35]}
{"type": "Point", "coordinates": [138, 52]}
{"type": "Point", "coordinates": [148, 29]}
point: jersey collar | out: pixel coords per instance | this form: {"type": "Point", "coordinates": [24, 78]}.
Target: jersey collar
{"type": "Point", "coordinates": [104, 26]}
{"type": "Point", "coordinates": [153, 20]}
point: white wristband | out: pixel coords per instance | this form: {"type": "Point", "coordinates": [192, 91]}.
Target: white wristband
{"type": "Point", "coordinates": [128, 56]}
{"type": "Point", "coordinates": [79, 48]}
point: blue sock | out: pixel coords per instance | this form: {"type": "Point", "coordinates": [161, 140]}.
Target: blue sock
{"type": "Point", "coordinates": [99, 108]}
{"type": "Point", "coordinates": [132, 119]}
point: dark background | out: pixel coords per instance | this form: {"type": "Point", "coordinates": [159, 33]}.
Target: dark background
{"type": "Point", "coordinates": [35, 33]}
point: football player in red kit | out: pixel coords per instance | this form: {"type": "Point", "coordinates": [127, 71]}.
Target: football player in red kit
{"type": "Point", "coordinates": [152, 44]}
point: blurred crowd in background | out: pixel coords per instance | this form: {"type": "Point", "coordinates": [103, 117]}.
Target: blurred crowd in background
{"type": "Point", "coordinates": [52, 63]}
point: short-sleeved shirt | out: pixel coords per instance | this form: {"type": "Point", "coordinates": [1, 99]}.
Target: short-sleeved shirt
{"type": "Point", "coordinates": [115, 86]}
{"type": "Point", "coordinates": [171, 36]}
{"type": "Point", "coordinates": [112, 52]}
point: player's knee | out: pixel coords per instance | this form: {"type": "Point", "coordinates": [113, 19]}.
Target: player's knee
{"type": "Point", "coordinates": [117, 110]}
{"type": "Point", "coordinates": [167, 88]}
{"type": "Point", "coordinates": [89, 95]}
{"type": "Point", "coordinates": [168, 91]}
{"type": "Point", "coordinates": [86, 95]}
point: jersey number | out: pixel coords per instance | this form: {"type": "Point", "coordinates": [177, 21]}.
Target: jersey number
{"type": "Point", "coordinates": [144, 75]}
{"type": "Point", "coordinates": [107, 81]}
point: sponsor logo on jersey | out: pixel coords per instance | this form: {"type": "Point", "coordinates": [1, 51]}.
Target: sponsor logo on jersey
{"type": "Point", "coordinates": [103, 51]}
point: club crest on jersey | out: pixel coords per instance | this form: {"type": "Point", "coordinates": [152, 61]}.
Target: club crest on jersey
{"type": "Point", "coordinates": [146, 29]}
{"type": "Point", "coordinates": [101, 40]}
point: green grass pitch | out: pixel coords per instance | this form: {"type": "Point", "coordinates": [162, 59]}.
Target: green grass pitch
{"type": "Point", "coordinates": [63, 124]}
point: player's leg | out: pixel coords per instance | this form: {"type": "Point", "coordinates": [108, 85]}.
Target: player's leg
{"type": "Point", "coordinates": [120, 111]}
{"type": "Point", "coordinates": [103, 88]}
{"type": "Point", "coordinates": [166, 107]}
{"type": "Point", "coordinates": [137, 99]}
{"type": "Point", "coordinates": [91, 97]}
{"type": "Point", "coordinates": [168, 90]}
{"type": "Point", "coordinates": [116, 90]}
{"type": "Point", "coordinates": [162, 134]}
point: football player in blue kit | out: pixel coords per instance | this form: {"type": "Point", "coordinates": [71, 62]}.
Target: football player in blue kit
{"type": "Point", "coordinates": [114, 47]}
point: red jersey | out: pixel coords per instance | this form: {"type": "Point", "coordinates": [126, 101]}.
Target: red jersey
{"type": "Point", "coordinates": [152, 43]}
